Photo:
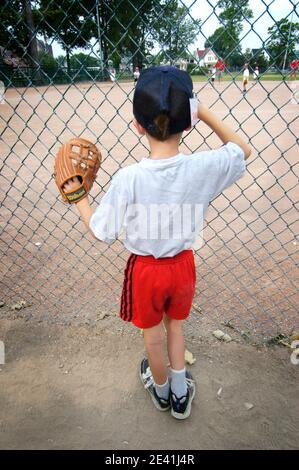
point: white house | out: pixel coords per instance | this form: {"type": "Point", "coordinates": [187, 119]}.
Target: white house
{"type": "Point", "coordinates": [205, 57]}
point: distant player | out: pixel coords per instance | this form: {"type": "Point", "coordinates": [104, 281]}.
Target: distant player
{"type": "Point", "coordinates": [245, 77]}
{"type": "Point", "coordinates": [213, 73]}
{"type": "Point", "coordinates": [294, 68]}
{"type": "Point", "coordinates": [256, 73]}
{"type": "Point", "coordinates": [113, 75]}
{"type": "Point", "coordinates": [220, 66]}
{"type": "Point", "coordinates": [136, 74]}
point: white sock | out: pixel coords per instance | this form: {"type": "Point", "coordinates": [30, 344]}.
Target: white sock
{"type": "Point", "coordinates": [178, 382]}
{"type": "Point", "coordinates": [163, 390]}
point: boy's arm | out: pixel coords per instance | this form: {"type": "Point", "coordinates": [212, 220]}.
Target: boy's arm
{"type": "Point", "coordinates": [224, 133]}
{"type": "Point", "coordinates": [83, 206]}
{"type": "Point", "coordinates": [86, 212]}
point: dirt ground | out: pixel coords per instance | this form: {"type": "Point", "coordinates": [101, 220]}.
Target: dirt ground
{"type": "Point", "coordinates": [78, 388]}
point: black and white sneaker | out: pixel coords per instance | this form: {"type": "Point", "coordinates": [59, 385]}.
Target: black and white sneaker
{"type": "Point", "coordinates": [181, 407]}
{"type": "Point", "coordinates": [148, 383]}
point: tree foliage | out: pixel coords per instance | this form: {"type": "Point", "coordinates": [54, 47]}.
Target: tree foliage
{"type": "Point", "coordinates": [257, 58]}
{"type": "Point", "coordinates": [225, 40]}
{"type": "Point", "coordinates": [119, 28]}
{"type": "Point", "coordinates": [234, 13]}
{"type": "Point", "coordinates": [127, 31]}
{"type": "Point", "coordinates": [67, 22]}
{"type": "Point", "coordinates": [284, 37]}
{"type": "Point", "coordinates": [48, 64]}
{"type": "Point", "coordinates": [14, 33]}
{"type": "Point", "coordinates": [83, 60]}
{"type": "Point", "coordinates": [172, 29]}
{"type": "Point", "coordinates": [226, 45]}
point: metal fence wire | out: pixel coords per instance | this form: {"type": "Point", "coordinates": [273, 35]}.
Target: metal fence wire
{"type": "Point", "coordinates": [67, 69]}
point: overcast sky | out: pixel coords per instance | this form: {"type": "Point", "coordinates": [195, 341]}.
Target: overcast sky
{"type": "Point", "coordinates": [202, 9]}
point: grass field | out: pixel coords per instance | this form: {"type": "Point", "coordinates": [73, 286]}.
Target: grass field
{"type": "Point", "coordinates": [238, 76]}
{"type": "Point", "coordinates": [234, 76]}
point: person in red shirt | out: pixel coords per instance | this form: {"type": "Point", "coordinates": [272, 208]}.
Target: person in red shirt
{"type": "Point", "coordinates": [220, 66]}
{"type": "Point", "coordinates": [294, 68]}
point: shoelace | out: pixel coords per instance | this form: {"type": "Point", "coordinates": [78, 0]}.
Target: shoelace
{"type": "Point", "coordinates": [189, 382]}
{"type": "Point", "coordinates": [148, 378]}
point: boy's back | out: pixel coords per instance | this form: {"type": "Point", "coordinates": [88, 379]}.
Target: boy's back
{"type": "Point", "coordinates": [162, 203]}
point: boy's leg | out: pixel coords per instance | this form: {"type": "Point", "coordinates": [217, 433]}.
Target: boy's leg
{"type": "Point", "coordinates": [175, 343]}
{"type": "Point", "coordinates": [176, 354]}
{"type": "Point", "coordinates": [153, 370]}
{"type": "Point", "coordinates": [182, 383]}
{"type": "Point", "coordinates": [154, 342]}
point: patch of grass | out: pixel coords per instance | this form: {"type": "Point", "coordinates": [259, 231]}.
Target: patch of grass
{"type": "Point", "coordinates": [277, 339]}
{"type": "Point", "coordinates": [229, 324]}
{"type": "Point", "coordinates": [239, 77]}
{"type": "Point", "coordinates": [280, 339]}
{"type": "Point", "coordinates": [247, 336]}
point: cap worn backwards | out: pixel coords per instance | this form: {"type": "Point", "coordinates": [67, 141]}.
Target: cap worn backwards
{"type": "Point", "coordinates": [163, 89]}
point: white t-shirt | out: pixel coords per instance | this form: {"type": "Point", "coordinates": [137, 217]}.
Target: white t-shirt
{"type": "Point", "coordinates": [246, 74]}
{"type": "Point", "coordinates": [157, 207]}
{"type": "Point", "coordinates": [256, 73]}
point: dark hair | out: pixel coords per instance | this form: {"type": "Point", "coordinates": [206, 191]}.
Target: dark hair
{"type": "Point", "coordinates": [160, 130]}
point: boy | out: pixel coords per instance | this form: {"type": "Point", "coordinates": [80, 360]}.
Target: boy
{"type": "Point", "coordinates": [245, 77]}
{"type": "Point", "coordinates": [160, 273]}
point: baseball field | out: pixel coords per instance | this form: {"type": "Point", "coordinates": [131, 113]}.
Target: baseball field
{"type": "Point", "coordinates": [247, 265]}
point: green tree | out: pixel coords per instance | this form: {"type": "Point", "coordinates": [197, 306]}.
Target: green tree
{"type": "Point", "coordinates": [247, 55]}
{"type": "Point", "coordinates": [61, 60]}
{"type": "Point", "coordinates": [225, 45]}
{"type": "Point", "coordinates": [258, 58]}
{"type": "Point", "coordinates": [225, 40]}
{"type": "Point", "coordinates": [12, 26]}
{"type": "Point", "coordinates": [68, 22]}
{"type": "Point", "coordinates": [234, 13]}
{"type": "Point", "coordinates": [124, 29]}
{"type": "Point", "coordinates": [172, 29]}
{"type": "Point", "coordinates": [17, 30]}
{"type": "Point", "coordinates": [83, 60]}
{"type": "Point", "coordinates": [282, 42]}
{"type": "Point", "coordinates": [48, 64]}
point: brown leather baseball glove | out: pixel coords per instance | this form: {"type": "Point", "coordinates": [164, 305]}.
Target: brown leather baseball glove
{"type": "Point", "coordinates": [77, 157]}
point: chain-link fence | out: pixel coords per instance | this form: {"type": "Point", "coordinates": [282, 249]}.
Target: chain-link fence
{"type": "Point", "coordinates": [68, 69]}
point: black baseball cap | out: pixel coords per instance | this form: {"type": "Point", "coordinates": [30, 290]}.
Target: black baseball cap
{"type": "Point", "coordinates": [166, 89]}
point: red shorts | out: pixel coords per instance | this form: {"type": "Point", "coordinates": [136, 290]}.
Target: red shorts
{"type": "Point", "coordinates": [153, 287]}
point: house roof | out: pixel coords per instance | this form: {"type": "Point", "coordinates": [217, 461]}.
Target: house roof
{"type": "Point", "coordinates": [201, 53]}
